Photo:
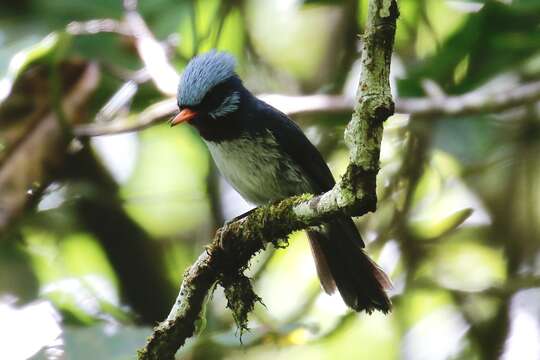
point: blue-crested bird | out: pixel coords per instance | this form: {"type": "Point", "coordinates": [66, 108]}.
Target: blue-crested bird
{"type": "Point", "coordinates": [266, 157]}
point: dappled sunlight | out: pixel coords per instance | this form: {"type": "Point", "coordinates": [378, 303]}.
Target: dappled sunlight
{"type": "Point", "coordinates": [524, 338]}
{"type": "Point", "coordinates": [26, 330]}
{"type": "Point", "coordinates": [438, 336]}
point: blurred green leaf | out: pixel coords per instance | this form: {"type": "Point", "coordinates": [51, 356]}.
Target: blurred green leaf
{"type": "Point", "coordinates": [484, 38]}
{"type": "Point", "coordinates": [49, 50]}
{"type": "Point", "coordinates": [166, 193]}
{"type": "Point", "coordinates": [464, 262]}
{"type": "Point", "coordinates": [277, 30]}
{"type": "Point", "coordinates": [433, 229]}
{"type": "Point", "coordinates": [17, 277]}
{"type": "Point", "coordinates": [419, 303]}
{"type": "Point", "coordinates": [471, 140]}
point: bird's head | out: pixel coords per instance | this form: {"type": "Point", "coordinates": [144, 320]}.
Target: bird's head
{"type": "Point", "coordinates": [209, 89]}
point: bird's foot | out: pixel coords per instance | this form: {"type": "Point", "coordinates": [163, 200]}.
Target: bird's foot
{"type": "Point", "coordinates": [239, 217]}
{"type": "Point", "coordinates": [222, 238]}
{"type": "Point", "coordinates": [222, 242]}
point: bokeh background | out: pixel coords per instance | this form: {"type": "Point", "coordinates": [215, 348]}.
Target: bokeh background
{"type": "Point", "coordinates": [96, 231]}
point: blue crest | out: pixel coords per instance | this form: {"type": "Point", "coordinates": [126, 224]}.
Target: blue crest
{"type": "Point", "coordinates": [202, 73]}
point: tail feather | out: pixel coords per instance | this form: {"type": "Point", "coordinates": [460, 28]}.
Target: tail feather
{"type": "Point", "coordinates": [341, 263]}
{"type": "Point", "coordinates": [323, 268]}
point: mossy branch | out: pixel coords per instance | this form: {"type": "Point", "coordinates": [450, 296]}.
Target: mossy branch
{"type": "Point", "coordinates": [226, 258]}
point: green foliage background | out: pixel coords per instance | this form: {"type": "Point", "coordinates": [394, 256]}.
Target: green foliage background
{"type": "Point", "coordinates": [100, 252]}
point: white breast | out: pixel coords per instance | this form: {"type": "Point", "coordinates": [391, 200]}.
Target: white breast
{"type": "Point", "coordinates": [257, 170]}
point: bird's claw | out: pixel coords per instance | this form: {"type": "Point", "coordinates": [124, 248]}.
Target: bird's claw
{"type": "Point", "coordinates": [222, 238]}
{"type": "Point", "coordinates": [226, 223]}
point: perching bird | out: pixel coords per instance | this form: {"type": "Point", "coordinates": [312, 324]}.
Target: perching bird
{"type": "Point", "coordinates": [266, 157]}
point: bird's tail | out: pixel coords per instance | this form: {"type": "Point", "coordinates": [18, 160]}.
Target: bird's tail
{"type": "Point", "coordinates": [342, 263]}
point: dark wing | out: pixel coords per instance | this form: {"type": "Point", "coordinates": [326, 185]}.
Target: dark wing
{"type": "Point", "coordinates": [295, 144]}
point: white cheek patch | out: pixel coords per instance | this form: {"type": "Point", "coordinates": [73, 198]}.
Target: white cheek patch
{"type": "Point", "coordinates": [228, 105]}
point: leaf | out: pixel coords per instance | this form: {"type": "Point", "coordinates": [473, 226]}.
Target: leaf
{"type": "Point", "coordinates": [430, 229]}
{"type": "Point", "coordinates": [50, 49]}
{"type": "Point", "coordinates": [498, 38]}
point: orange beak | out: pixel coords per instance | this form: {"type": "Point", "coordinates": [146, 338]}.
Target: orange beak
{"type": "Point", "coordinates": [184, 115]}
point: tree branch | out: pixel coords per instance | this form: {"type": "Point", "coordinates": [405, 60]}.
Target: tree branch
{"type": "Point", "coordinates": [478, 101]}
{"type": "Point", "coordinates": [32, 138]}
{"type": "Point", "coordinates": [472, 103]}
{"type": "Point", "coordinates": [234, 245]}
{"type": "Point", "coordinates": [150, 116]}
{"type": "Point", "coordinates": [152, 53]}
{"type": "Point", "coordinates": [475, 102]}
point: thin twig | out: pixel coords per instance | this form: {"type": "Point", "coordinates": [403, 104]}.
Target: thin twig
{"type": "Point", "coordinates": [148, 117]}
{"type": "Point", "coordinates": [153, 54]}
{"type": "Point", "coordinates": [475, 102]}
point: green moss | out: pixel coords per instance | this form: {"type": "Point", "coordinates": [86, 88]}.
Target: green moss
{"type": "Point", "coordinates": [241, 299]}
{"type": "Point", "coordinates": [244, 238]}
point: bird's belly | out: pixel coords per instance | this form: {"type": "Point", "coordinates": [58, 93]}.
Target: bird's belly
{"type": "Point", "coordinates": [257, 169]}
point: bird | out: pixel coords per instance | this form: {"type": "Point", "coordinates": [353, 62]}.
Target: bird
{"type": "Point", "coordinates": [266, 157]}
